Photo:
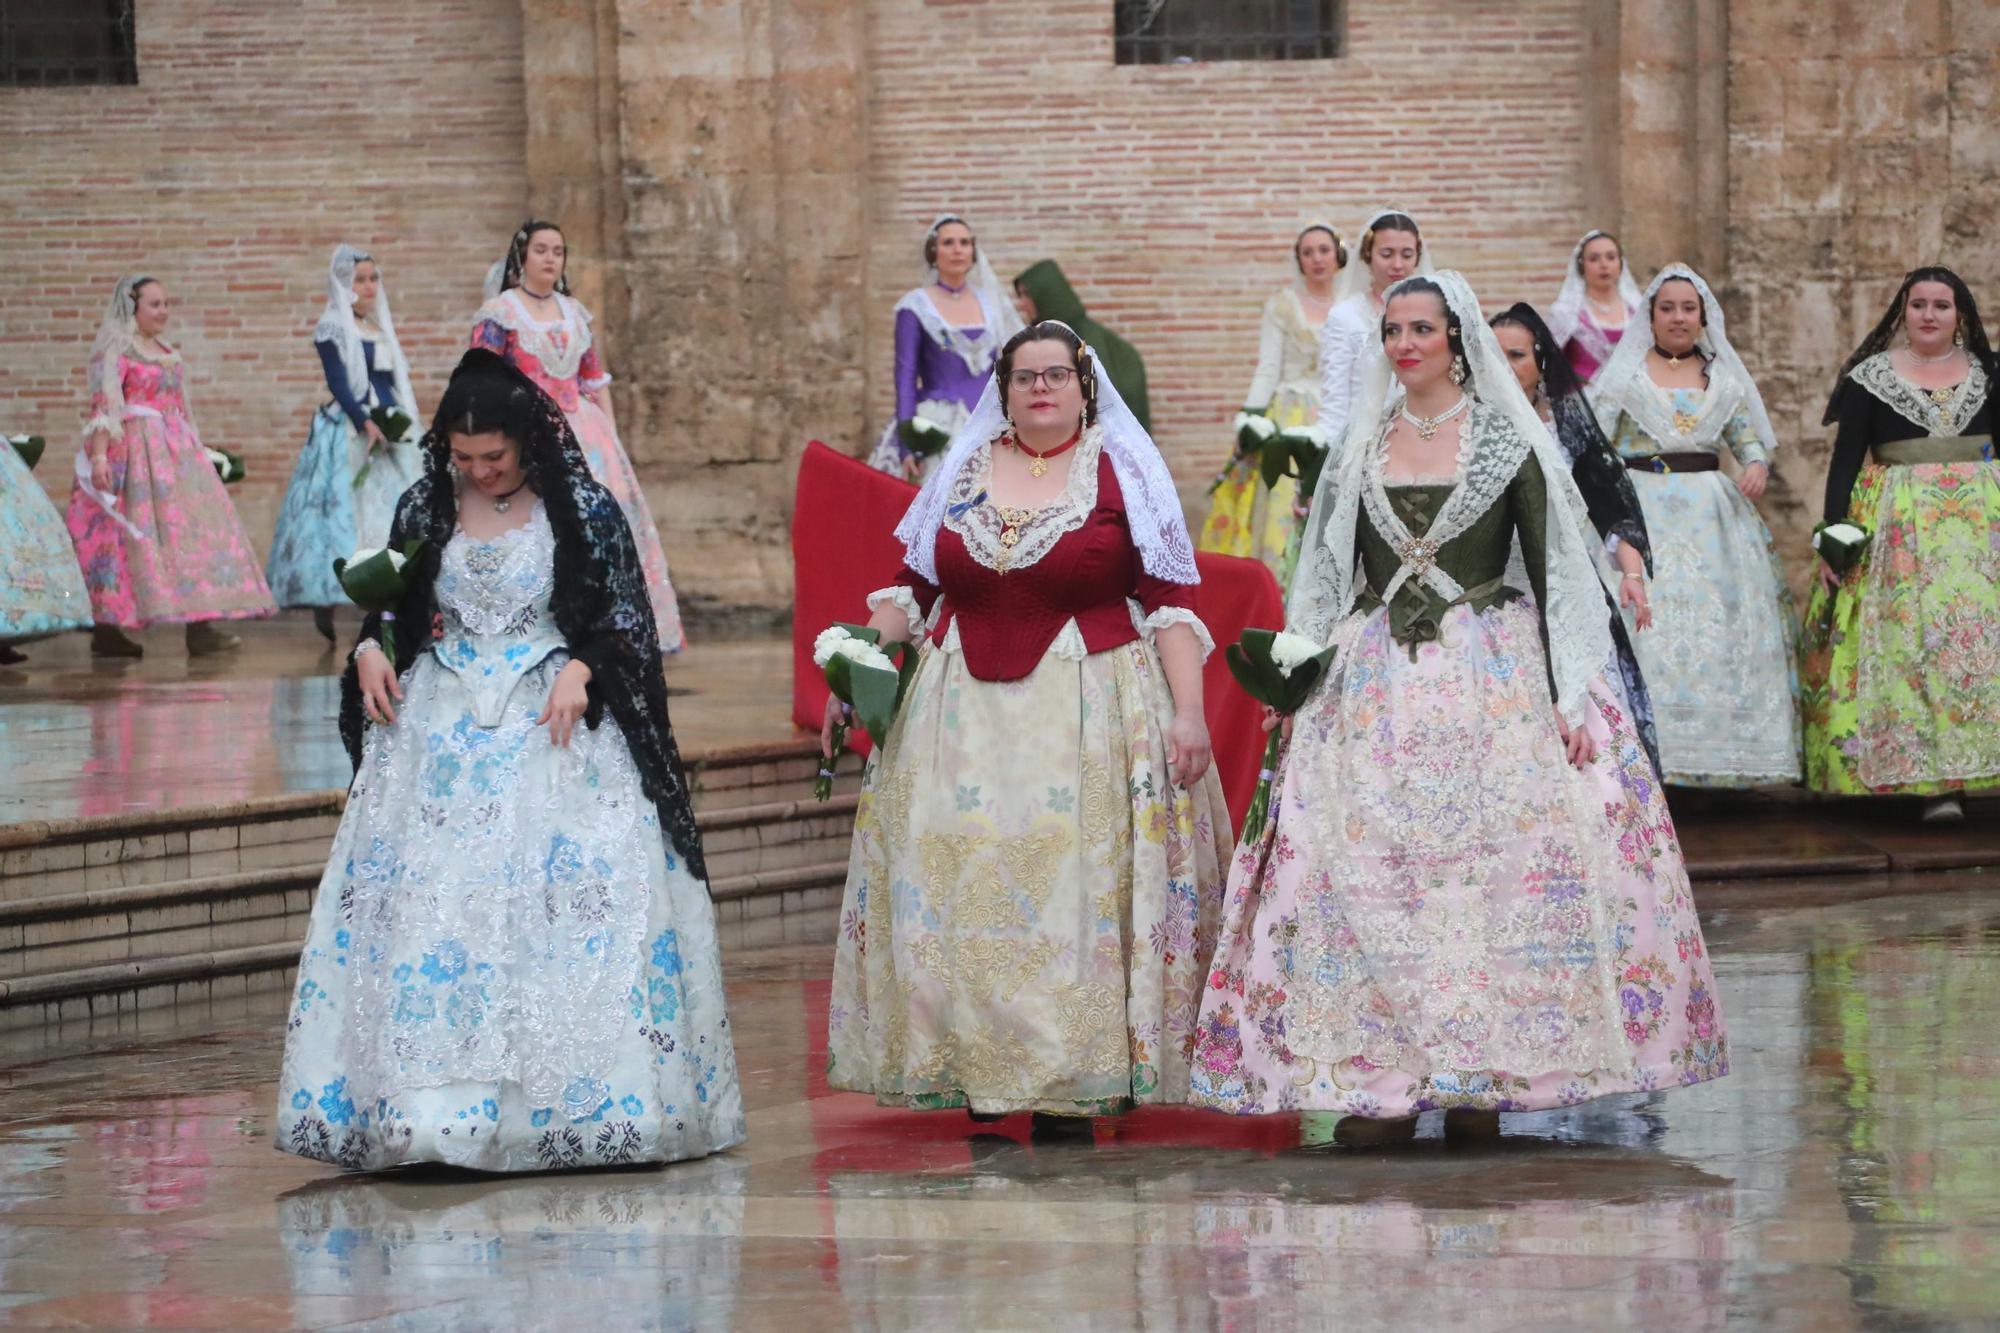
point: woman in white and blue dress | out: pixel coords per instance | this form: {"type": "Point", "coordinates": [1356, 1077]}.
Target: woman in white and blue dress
{"type": "Point", "coordinates": [1719, 657]}
{"type": "Point", "coordinates": [512, 962]}
{"type": "Point", "coordinates": [344, 487]}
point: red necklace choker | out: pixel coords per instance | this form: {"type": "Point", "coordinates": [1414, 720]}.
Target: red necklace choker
{"type": "Point", "coordinates": [1040, 466]}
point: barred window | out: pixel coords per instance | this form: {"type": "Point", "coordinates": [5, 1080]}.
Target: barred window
{"type": "Point", "coordinates": [1179, 32]}
{"type": "Point", "coordinates": [58, 43]}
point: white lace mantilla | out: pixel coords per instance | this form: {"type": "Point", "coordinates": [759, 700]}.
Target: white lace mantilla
{"type": "Point", "coordinates": [1914, 404]}
{"type": "Point", "coordinates": [978, 353]}
{"type": "Point", "coordinates": [559, 344]}
{"type": "Point", "coordinates": [972, 514]}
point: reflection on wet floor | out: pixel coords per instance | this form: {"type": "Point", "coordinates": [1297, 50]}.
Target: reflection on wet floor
{"type": "Point", "coordinates": [1843, 1176]}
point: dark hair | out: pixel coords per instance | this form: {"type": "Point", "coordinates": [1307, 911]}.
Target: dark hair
{"type": "Point", "coordinates": [1559, 378]}
{"type": "Point", "coordinates": [931, 237]}
{"type": "Point", "coordinates": [1049, 330]}
{"type": "Point", "coordinates": [1391, 222]}
{"type": "Point", "coordinates": [517, 254]}
{"type": "Point", "coordinates": [1339, 246]}
{"type": "Point", "coordinates": [139, 284]}
{"type": "Point", "coordinates": [1970, 329]}
{"type": "Point", "coordinates": [485, 396]}
{"type": "Point", "coordinates": [1598, 234]}
{"type": "Point", "coordinates": [1454, 336]}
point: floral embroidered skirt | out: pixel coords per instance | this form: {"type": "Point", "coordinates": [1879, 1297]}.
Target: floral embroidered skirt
{"type": "Point", "coordinates": [185, 555]}
{"type": "Point", "coordinates": [1719, 659]}
{"type": "Point", "coordinates": [1444, 912]}
{"type": "Point", "coordinates": [1031, 902]}
{"type": "Point", "coordinates": [43, 591]}
{"type": "Point", "coordinates": [327, 515]}
{"type": "Point", "coordinates": [1247, 518]}
{"type": "Point", "coordinates": [613, 470]}
{"type": "Point", "coordinates": [1901, 665]}
{"type": "Point", "coordinates": [507, 967]}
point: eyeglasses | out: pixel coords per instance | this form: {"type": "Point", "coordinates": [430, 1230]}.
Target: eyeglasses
{"type": "Point", "coordinates": [1055, 377]}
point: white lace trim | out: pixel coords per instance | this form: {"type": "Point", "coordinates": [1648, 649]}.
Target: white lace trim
{"type": "Point", "coordinates": [978, 353]}
{"type": "Point", "coordinates": [559, 356]}
{"type": "Point", "coordinates": [903, 600]}
{"type": "Point", "coordinates": [489, 585]}
{"type": "Point", "coordinates": [1150, 625]}
{"type": "Point", "coordinates": [1914, 404]}
{"type": "Point", "coordinates": [1624, 385]}
{"type": "Point", "coordinates": [980, 525]}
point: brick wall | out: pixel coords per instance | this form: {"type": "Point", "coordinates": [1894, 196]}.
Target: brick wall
{"type": "Point", "coordinates": [261, 133]}
{"type": "Point", "coordinates": [1170, 195]}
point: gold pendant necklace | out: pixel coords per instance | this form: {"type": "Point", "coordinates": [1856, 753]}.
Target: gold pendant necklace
{"type": "Point", "coordinates": [1428, 427]}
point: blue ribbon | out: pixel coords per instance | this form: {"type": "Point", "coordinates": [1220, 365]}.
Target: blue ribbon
{"type": "Point", "coordinates": [960, 510]}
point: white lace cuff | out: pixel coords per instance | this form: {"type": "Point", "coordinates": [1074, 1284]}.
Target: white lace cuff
{"type": "Point", "coordinates": [365, 646]}
{"type": "Point", "coordinates": [594, 383]}
{"type": "Point", "coordinates": [1150, 626]}
{"type": "Point", "coordinates": [903, 600]}
{"type": "Point", "coordinates": [103, 422]}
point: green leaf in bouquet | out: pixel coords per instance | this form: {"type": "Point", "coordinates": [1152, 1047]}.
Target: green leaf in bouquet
{"type": "Point", "coordinates": [1841, 545]}
{"type": "Point", "coordinates": [862, 632]}
{"type": "Point", "coordinates": [875, 696]}
{"type": "Point", "coordinates": [30, 448]}
{"type": "Point", "coordinates": [1311, 461]}
{"type": "Point", "coordinates": [228, 466]}
{"type": "Point", "coordinates": [1272, 463]}
{"type": "Point", "coordinates": [373, 583]}
{"type": "Point", "coordinates": [393, 422]}
{"type": "Point", "coordinates": [1248, 441]}
{"type": "Point", "coordinates": [838, 678]}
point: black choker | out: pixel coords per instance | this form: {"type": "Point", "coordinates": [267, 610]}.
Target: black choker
{"type": "Point", "coordinates": [1692, 353]}
{"type": "Point", "coordinates": [502, 503]}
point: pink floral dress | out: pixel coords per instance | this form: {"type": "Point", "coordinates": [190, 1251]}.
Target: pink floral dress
{"type": "Point", "coordinates": [164, 545]}
{"type": "Point", "coordinates": [561, 358]}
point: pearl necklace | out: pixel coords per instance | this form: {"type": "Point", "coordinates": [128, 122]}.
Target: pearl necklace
{"type": "Point", "coordinates": [1427, 427]}
{"type": "Point", "coordinates": [1919, 358]}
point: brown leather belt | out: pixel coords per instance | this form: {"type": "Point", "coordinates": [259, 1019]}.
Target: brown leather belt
{"type": "Point", "coordinates": [1688, 462]}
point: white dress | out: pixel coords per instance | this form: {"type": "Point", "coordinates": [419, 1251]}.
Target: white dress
{"type": "Point", "coordinates": [508, 967]}
{"type": "Point", "coordinates": [1350, 341]}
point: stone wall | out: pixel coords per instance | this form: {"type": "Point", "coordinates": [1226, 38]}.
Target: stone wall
{"type": "Point", "coordinates": [260, 134]}
{"type": "Point", "coordinates": [1864, 140]}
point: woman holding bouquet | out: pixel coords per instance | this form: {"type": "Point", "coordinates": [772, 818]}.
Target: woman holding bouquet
{"type": "Point", "coordinates": [344, 487]}
{"type": "Point", "coordinates": [1036, 870]}
{"type": "Point", "coordinates": [155, 532]}
{"type": "Point", "coordinates": [1471, 897]}
{"type": "Point", "coordinates": [1245, 517]}
{"type": "Point", "coordinates": [512, 962]}
{"type": "Point", "coordinates": [531, 319]}
{"type": "Point", "coordinates": [1719, 659]}
{"type": "Point", "coordinates": [947, 333]}
{"type": "Point", "coordinates": [1902, 651]}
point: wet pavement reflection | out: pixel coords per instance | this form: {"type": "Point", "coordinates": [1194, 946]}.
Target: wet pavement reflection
{"type": "Point", "coordinates": [1842, 1177]}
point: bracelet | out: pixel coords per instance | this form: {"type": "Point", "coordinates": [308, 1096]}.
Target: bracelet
{"type": "Point", "coordinates": [365, 646]}
{"type": "Point", "coordinates": [1640, 577]}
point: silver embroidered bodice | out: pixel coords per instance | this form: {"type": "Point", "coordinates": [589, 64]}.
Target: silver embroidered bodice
{"type": "Point", "coordinates": [498, 626]}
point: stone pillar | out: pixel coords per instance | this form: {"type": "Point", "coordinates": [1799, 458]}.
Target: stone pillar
{"type": "Point", "coordinates": [569, 73]}
{"type": "Point", "coordinates": [1674, 131]}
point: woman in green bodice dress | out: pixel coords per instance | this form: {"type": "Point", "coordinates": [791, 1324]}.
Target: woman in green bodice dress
{"type": "Point", "coordinates": [1471, 896]}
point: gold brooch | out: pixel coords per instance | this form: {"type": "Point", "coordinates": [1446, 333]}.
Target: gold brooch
{"type": "Point", "coordinates": [1420, 554]}
{"type": "Point", "coordinates": [1684, 422]}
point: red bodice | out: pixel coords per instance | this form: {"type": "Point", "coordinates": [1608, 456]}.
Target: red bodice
{"type": "Point", "coordinates": [1006, 621]}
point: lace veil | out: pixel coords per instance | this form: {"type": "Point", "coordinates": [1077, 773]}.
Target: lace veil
{"type": "Point", "coordinates": [1568, 309]}
{"type": "Point", "coordinates": [1002, 321]}
{"type": "Point", "coordinates": [1355, 279]}
{"type": "Point", "coordinates": [1501, 430]}
{"type": "Point", "coordinates": [117, 335]}
{"type": "Point", "coordinates": [1624, 386]}
{"type": "Point", "coordinates": [1152, 504]}
{"type": "Point", "coordinates": [337, 326]}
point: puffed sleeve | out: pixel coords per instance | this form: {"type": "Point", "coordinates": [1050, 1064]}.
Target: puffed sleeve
{"type": "Point", "coordinates": [1741, 437]}
{"type": "Point", "coordinates": [912, 594]}
{"type": "Point", "coordinates": [490, 334]}
{"type": "Point", "coordinates": [336, 380]}
{"type": "Point", "coordinates": [590, 373]}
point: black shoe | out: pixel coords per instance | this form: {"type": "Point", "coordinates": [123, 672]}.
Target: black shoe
{"type": "Point", "coordinates": [985, 1117]}
{"type": "Point", "coordinates": [323, 622]}
{"type": "Point", "coordinates": [1047, 1128]}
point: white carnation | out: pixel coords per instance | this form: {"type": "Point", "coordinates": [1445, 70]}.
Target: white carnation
{"type": "Point", "coordinates": [1288, 650]}
{"type": "Point", "coordinates": [863, 653]}
{"type": "Point", "coordinates": [829, 639]}
{"type": "Point", "coordinates": [1845, 533]}
{"type": "Point", "coordinates": [925, 426]}
{"type": "Point", "coordinates": [396, 558]}
{"type": "Point", "coordinates": [1262, 427]}
{"type": "Point", "coordinates": [1313, 434]}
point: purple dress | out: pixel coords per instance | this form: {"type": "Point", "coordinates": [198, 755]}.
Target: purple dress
{"type": "Point", "coordinates": [940, 372]}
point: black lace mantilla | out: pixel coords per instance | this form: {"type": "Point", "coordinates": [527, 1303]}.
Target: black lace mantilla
{"type": "Point", "coordinates": [600, 601]}
{"type": "Point", "coordinates": [1606, 486]}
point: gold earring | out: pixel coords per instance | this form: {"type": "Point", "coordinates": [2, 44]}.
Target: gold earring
{"type": "Point", "coordinates": [1458, 370]}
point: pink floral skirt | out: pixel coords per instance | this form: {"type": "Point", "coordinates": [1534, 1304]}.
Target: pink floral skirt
{"type": "Point", "coordinates": [613, 470]}
{"type": "Point", "coordinates": [1444, 912]}
{"type": "Point", "coordinates": [184, 555]}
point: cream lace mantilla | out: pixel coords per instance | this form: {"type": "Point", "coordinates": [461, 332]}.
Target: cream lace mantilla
{"type": "Point", "coordinates": [1878, 375]}
{"type": "Point", "coordinates": [971, 513]}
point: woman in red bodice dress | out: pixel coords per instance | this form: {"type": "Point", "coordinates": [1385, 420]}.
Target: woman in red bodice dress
{"type": "Point", "coordinates": [1036, 876]}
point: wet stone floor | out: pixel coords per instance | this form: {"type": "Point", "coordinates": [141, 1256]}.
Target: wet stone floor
{"type": "Point", "coordinates": [1845, 1175]}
